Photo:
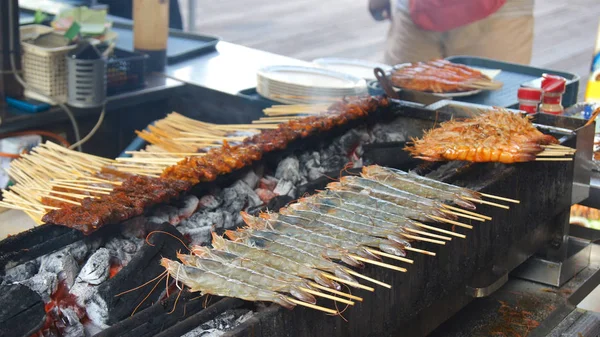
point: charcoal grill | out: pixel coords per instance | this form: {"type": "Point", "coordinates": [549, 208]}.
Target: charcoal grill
{"type": "Point", "coordinates": [434, 289]}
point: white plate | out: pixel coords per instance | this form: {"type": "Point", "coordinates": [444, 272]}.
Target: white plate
{"type": "Point", "coordinates": [442, 94]}
{"type": "Point", "coordinates": [354, 67]}
{"type": "Point", "coordinates": [310, 77]}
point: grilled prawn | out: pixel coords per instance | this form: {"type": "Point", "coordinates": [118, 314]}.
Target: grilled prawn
{"type": "Point", "coordinates": [210, 282]}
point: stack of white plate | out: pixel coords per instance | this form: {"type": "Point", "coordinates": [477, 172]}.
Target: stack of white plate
{"type": "Point", "coordinates": [359, 68]}
{"type": "Point", "coordinates": [302, 85]}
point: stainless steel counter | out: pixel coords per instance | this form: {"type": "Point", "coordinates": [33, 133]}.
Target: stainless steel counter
{"type": "Point", "coordinates": [230, 69]}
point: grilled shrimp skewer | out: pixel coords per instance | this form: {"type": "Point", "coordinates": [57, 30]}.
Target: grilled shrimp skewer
{"type": "Point", "coordinates": [210, 282]}
{"type": "Point", "coordinates": [300, 255]}
{"type": "Point", "coordinates": [246, 275]}
{"type": "Point", "coordinates": [402, 182]}
{"type": "Point", "coordinates": [273, 260]}
{"type": "Point", "coordinates": [266, 223]}
{"type": "Point", "coordinates": [355, 235]}
{"type": "Point", "coordinates": [314, 248]}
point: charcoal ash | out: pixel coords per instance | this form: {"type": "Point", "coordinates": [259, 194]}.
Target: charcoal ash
{"type": "Point", "coordinates": [43, 283]}
{"type": "Point", "coordinates": [95, 270]}
{"type": "Point", "coordinates": [267, 182]}
{"type": "Point", "coordinates": [21, 272]}
{"type": "Point", "coordinates": [289, 170]}
{"type": "Point", "coordinates": [239, 196]}
{"type": "Point", "coordinates": [62, 262]}
{"type": "Point", "coordinates": [221, 324]}
{"type": "Point", "coordinates": [72, 324]}
{"type": "Point", "coordinates": [210, 202]}
{"type": "Point", "coordinates": [123, 249]}
{"type": "Point", "coordinates": [97, 311]}
{"type": "Point", "coordinates": [285, 187]}
{"type": "Point", "coordinates": [251, 179]}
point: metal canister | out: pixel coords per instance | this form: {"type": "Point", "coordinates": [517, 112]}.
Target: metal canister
{"type": "Point", "coordinates": [86, 81]}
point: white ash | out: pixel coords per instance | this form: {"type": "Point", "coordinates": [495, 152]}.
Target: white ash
{"type": "Point", "coordinates": [285, 187]}
{"type": "Point", "coordinates": [289, 169]}
{"type": "Point", "coordinates": [251, 179]}
{"type": "Point", "coordinates": [73, 326]}
{"type": "Point", "coordinates": [311, 165]}
{"type": "Point", "coordinates": [238, 197]}
{"type": "Point", "coordinates": [21, 272]}
{"type": "Point", "coordinates": [203, 219]}
{"type": "Point", "coordinates": [61, 262]}
{"type": "Point", "coordinates": [43, 283]}
{"type": "Point", "coordinates": [95, 270]}
{"type": "Point", "coordinates": [210, 202]}
{"type": "Point", "coordinates": [198, 235]}
{"type": "Point", "coordinates": [187, 206]}
{"type": "Point", "coordinates": [221, 324]}
{"type": "Point", "coordinates": [97, 311]}
{"type": "Point", "coordinates": [164, 213]}
{"type": "Point", "coordinates": [124, 249]}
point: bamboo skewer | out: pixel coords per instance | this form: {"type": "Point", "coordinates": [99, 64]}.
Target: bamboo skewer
{"type": "Point", "coordinates": [416, 231]}
{"type": "Point", "coordinates": [377, 263]}
{"type": "Point", "coordinates": [330, 297]}
{"type": "Point", "coordinates": [467, 212]}
{"type": "Point", "coordinates": [398, 258]}
{"type": "Point", "coordinates": [456, 223]}
{"type": "Point", "coordinates": [418, 238]}
{"type": "Point", "coordinates": [350, 283]}
{"type": "Point", "coordinates": [491, 196]}
{"type": "Point", "coordinates": [553, 159]}
{"type": "Point", "coordinates": [485, 202]}
{"type": "Point", "coordinates": [466, 216]}
{"type": "Point", "coordinates": [333, 291]}
{"type": "Point", "coordinates": [62, 199]}
{"type": "Point", "coordinates": [458, 235]}
{"type": "Point", "coordinates": [313, 306]}
{"type": "Point", "coordinates": [366, 278]}
{"type": "Point", "coordinates": [421, 251]}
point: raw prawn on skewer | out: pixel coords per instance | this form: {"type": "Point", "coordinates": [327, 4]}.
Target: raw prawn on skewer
{"type": "Point", "coordinates": [265, 222]}
{"type": "Point", "coordinates": [276, 261]}
{"type": "Point", "coordinates": [361, 237]}
{"type": "Point", "coordinates": [295, 253]}
{"type": "Point", "coordinates": [210, 282]}
{"type": "Point", "coordinates": [403, 182]}
{"type": "Point", "coordinates": [246, 275]}
{"type": "Point", "coordinates": [311, 247]}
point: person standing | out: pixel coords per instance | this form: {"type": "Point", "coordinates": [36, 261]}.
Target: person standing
{"type": "Point", "coordinates": [422, 30]}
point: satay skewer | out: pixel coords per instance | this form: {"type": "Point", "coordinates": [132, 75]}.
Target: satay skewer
{"type": "Point", "coordinates": [337, 292]}
{"type": "Point", "coordinates": [456, 209]}
{"type": "Point", "coordinates": [366, 278]}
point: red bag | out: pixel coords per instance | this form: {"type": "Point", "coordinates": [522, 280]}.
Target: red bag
{"type": "Point", "coordinates": [445, 15]}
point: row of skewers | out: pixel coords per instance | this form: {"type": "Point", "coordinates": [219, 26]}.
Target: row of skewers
{"type": "Point", "coordinates": [307, 249]}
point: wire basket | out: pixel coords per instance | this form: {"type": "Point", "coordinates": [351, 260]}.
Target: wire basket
{"type": "Point", "coordinates": [45, 69]}
{"type": "Point", "coordinates": [125, 71]}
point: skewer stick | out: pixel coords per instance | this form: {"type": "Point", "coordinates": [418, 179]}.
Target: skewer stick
{"type": "Point", "coordinates": [468, 212]}
{"type": "Point", "coordinates": [20, 208]}
{"type": "Point", "coordinates": [458, 235]}
{"type": "Point", "coordinates": [456, 223]}
{"type": "Point", "coordinates": [350, 283]}
{"type": "Point", "coordinates": [422, 251]}
{"type": "Point", "coordinates": [79, 189]}
{"type": "Point", "coordinates": [418, 238]}
{"type": "Point", "coordinates": [68, 185]}
{"type": "Point", "coordinates": [467, 216]}
{"type": "Point", "coordinates": [366, 278]}
{"type": "Point", "coordinates": [487, 202]}
{"type": "Point", "coordinates": [553, 159]}
{"type": "Point", "coordinates": [66, 194]}
{"type": "Point", "coordinates": [380, 253]}
{"type": "Point", "coordinates": [491, 196]}
{"type": "Point", "coordinates": [62, 199]}
{"type": "Point", "coordinates": [416, 231]}
{"type": "Point", "coordinates": [313, 306]}
{"type": "Point", "coordinates": [320, 294]}
{"type": "Point", "coordinates": [333, 291]}
{"type": "Point", "coordinates": [377, 263]}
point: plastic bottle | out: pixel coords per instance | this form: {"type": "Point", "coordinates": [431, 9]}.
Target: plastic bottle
{"type": "Point", "coordinates": [553, 87]}
{"type": "Point", "coordinates": [529, 99]}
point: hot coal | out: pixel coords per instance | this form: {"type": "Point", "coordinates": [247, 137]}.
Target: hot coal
{"type": "Point", "coordinates": [221, 324]}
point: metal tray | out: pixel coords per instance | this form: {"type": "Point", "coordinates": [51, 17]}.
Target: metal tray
{"type": "Point", "coordinates": [180, 46]}
{"type": "Point", "coordinates": [513, 76]}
